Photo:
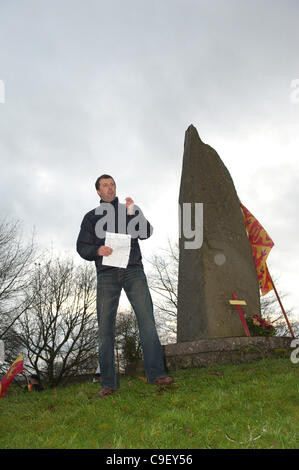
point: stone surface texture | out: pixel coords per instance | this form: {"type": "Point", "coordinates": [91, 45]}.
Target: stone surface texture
{"type": "Point", "coordinates": [223, 264]}
{"type": "Point", "coordinates": [202, 353]}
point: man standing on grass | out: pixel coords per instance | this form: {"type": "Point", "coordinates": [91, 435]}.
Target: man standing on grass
{"type": "Point", "coordinates": [112, 216]}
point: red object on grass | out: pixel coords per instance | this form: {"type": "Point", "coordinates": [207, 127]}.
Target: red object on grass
{"type": "Point", "coordinates": [14, 369]}
{"type": "Point", "coordinates": [242, 317]}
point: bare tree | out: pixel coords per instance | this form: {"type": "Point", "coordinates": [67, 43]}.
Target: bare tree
{"type": "Point", "coordinates": [58, 332]}
{"type": "Point", "coordinates": [16, 259]}
{"type": "Point", "coordinates": [127, 341]}
{"type": "Point", "coordinates": [163, 281]}
{"type": "Point", "coordinates": [271, 311]}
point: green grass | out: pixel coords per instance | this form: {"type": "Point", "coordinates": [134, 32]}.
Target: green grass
{"type": "Point", "coordinates": [207, 408]}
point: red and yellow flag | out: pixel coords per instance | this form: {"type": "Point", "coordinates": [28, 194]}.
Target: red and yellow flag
{"type": "Point", "coordinates": [261, 245]}
{"type": "Point", "coordinates": [14, 369]}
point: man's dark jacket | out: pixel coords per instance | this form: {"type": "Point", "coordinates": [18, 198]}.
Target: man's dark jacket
{"type": "Point", "coordinates": [88, 241]}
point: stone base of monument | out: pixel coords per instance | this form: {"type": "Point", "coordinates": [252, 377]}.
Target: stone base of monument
{"type": "Point", "coordinates": [236, 350]}
{"type": "Point", "coordinates": [206, 352]}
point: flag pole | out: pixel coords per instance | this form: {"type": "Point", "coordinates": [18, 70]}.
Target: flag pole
{"type": "Point", "coordinates": [281, 306]}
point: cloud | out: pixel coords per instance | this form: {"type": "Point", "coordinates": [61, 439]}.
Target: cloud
{"type": "Point", "coordinates": [95, 87]}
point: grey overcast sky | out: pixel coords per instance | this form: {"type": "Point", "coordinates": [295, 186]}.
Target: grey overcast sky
{"type": "Point", "coordinates": [110, 87]}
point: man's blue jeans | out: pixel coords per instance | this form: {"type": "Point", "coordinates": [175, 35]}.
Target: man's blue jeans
{"type": "Point", "coordinates": [109, 286]}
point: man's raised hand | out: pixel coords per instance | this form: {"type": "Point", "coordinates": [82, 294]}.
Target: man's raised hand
{"type": "Point", "coordinates": [104, 250]}
{"type": "Point", "coordinates": [129, 205]}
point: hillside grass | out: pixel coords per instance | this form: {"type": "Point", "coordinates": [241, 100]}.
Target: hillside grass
{"type": "Point", "coordinates": [220, 407]}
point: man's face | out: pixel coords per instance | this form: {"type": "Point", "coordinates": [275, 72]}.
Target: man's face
{"type": "Point", "coordinates": [107, 189]}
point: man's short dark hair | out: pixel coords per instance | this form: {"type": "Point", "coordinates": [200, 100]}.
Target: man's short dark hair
{"type": "Point", "coordinates": [97, 185]}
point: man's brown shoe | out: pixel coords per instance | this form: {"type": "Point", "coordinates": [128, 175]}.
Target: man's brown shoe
{"type": "Point", "coordinates": [164, 381]}
{"type": "Point", "coordinates": [105, 391]}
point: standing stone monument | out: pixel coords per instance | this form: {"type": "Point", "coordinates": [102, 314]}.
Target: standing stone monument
{"type": "Point", "coordinates": [223, 264]}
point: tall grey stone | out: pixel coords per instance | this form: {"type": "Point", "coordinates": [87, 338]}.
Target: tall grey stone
{"type": "Point", "coordinates": [223, 264]}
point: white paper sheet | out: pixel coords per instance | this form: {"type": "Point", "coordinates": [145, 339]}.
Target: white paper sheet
{"type": "Point", "coordinates": [121, 246]}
